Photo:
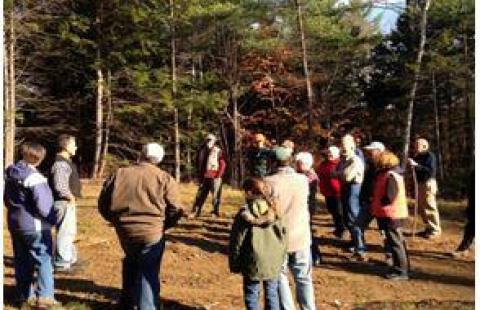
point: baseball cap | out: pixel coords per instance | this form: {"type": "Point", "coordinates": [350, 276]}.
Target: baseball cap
{"type": "Point", "coordinates": [282, 153]}
{"type": "Point", "coordinates": [375, 145]}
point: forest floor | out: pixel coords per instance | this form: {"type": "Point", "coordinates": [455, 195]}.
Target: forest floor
{"type": "Point", "coordinates": [195, 273]}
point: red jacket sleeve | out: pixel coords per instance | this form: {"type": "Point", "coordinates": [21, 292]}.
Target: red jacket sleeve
{"type": "Point", "coordinates": [222, 165]}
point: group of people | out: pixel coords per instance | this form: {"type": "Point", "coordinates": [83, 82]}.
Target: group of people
{"type": "Point", "coordinates": [35, 205]}
{"type": "Point", "coordinates": [272, 233]}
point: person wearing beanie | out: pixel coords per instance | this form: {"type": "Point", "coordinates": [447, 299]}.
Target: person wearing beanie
{"type": "Point", "coordinates": [211, 166]}
{"type": "Point", "coordinates": [330, 188]}
{"type": "Point", "coordinates": [290, 190]}
{"type": "Point", "coordinates": [141, 201]}
{"type": "Point", "coordinates": [303, 164]}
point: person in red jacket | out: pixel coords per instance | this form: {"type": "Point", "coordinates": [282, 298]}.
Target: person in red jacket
{"type": "Point", "coordinates": [210, 166]}
{"type": "Point", "coordinates": [330, 188]}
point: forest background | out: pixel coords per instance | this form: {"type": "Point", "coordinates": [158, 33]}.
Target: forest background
{"type": "Point", "coordinates": [117, 74]}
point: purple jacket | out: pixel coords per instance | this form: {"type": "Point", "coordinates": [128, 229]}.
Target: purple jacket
{"type": "Point", "coordinates": [28, 199]}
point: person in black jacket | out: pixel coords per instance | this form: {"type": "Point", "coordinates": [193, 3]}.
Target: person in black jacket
{"type": "Point", "coordinates": [469, 232]}
{"type": "Point", "coordinates": [425, 165]}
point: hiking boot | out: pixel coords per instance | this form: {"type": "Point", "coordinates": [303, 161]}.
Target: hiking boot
{"type": "Point", "coordinates": [47, 303]}
{"type": "Point", "coordinates": [338, 234]}
{"type": "Point", "coordinates": [395, 276]}
{"type": "Point", "coordinates": [214, 214]}
{"type": "Point", "coordinates": [193, 215]}
{"type": "Point", "coordinates": [458, 253]}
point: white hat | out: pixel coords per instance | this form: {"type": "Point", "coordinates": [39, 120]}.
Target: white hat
{"type": "Point", "coordinates": [375, 145]}
{"type": "Point", "coordinates": [154, 152]}
{"type": "Point", "coordinates": [334, 151]}
{"type": "Point", "coordinates": [211, 137]}
{"type": "Point", "coordinates": [306, 158]}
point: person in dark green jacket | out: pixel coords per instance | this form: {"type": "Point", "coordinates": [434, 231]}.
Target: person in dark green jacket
{"type": "Point", "coordinates": [258, 246]}
{"type": "Point", "coordinates": [259, 157]}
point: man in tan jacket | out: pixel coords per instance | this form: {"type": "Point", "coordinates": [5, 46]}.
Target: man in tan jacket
{"type": "Point", "coordinates": [290, 190]}
{"type": "Point", "coordinates": [141, 201]}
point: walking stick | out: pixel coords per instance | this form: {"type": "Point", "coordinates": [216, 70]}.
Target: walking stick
{"type": "Point", "coordinates": [415, 210]}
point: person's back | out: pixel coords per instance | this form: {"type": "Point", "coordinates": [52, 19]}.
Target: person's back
{"type": "Point", "coordinates": [291, 191]}
{"type": "Point", "coordinates": [139, 200]}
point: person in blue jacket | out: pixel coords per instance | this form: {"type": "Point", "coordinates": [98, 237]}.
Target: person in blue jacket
{"type": "Point", "coordinates": [30, 217]}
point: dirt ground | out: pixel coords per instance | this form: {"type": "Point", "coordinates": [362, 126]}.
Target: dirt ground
{"type": "Point", "coordinates": [195, 274]}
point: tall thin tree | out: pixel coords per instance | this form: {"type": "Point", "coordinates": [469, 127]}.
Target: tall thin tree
{"type": "Point", "coordinates": [416, 76]}
{"type": "Point", "coordinates": [306, 71]}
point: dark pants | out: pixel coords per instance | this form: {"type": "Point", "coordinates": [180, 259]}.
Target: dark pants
{"type": "Point", "coordinates": [141, 267]}
{"type": "Point", "coordinates": [351, 211]}
{"type": "Point", "coordinates": [335, 209]}
{"type": "Point", "coordinates": [364, 220]}
{"type": "Point", "coordinates": [251, 293]}
{"type": "Point", "coordinates": [315, 241]}
{"type": "Point", "coordinates": [396, 244]}
{"type": "Point", "coordinates": [468, 236]}
{"type": "Point", "coordinates": [208, 185]}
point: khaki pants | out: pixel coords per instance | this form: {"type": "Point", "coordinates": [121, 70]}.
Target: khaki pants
{"type": "Point", "coordinates": [427, 204]}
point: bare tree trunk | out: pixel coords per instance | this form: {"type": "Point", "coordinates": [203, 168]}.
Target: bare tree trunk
{"type": "Point", "coordinates": [437, 126]}
{"type": "Point", "coordinates": [98, 124]}
{"type": "Point", "coordinates": [106, 130]}
{"type": "Point", "coordinates": [10, 110]}
{"type": "Point", "coordinates": [174, 93]}
{"type": "Point", "coordinates": [416, 74]}
{"type": "Point", "coordinates": [189, 145]}
{"type": "Point", "coordinates": [305, 70]}
{"type": "Point", "coordinates": [236, 142]}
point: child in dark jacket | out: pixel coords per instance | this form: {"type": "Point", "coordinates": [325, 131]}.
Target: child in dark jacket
{"type": "Point", "coordinates": [30, 216]}
{"type": "Point", "coordinates": [258, 245]}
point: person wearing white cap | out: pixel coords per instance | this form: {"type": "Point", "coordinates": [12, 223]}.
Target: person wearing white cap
{"type": "Point", "coordinates": [141, 201]}
{"type": "Point", "coordinates": [330, 188]}
{"type": "Point", "coordinates": [373, 150]}
{"type": "Point", "coordinates": [304, 163]}
{"type": "Point", "coordinates": [210, 167]}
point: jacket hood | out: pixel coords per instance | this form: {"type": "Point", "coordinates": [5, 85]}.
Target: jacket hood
{"type": "Point", "coordinates": [19, 171]}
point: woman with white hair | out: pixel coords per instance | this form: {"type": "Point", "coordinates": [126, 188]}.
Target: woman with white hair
{"type": "Point", "coordinates": [330, 188]}
{"type": "Point", "coordinates": [304, 164]}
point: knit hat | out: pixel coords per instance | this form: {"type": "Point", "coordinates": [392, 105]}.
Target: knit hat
{"type": "Point", "coordinates": [282, 153]}
{"type": "Point", "coordinates": [154, 152]}
{"type": "Point", "coordinates": [306, 158]}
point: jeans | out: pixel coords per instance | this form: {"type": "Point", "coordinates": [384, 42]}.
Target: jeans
{"type": "Point", "coordinates": [314, 248]}
{"type": "Point", "coordinates": [351, 212]}
{"type": "Point", "coordinates": [335, 209]}
{"type": "Point", "coordinates": [66, 252]}
{"type": "Point", "coordinates": [396, 244]}
{"type": "Point", "coordinates": [33, 251]}
{"type": "Point", "coordinates": [300, 263]}
{"type": "Point", "coordinates": [141, 268]}
{"type": "Point", "coordinates": [208, 185]}
{"type": "Point", "coordinates": [251, 292]}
